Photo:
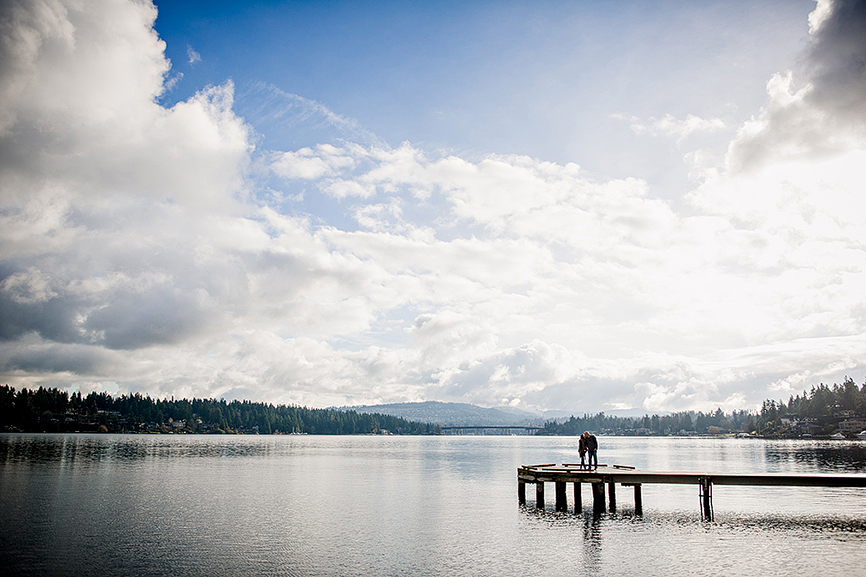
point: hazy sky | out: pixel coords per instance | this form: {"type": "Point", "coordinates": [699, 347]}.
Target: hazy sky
{"type": "Point", "coordinates": [580, 206]}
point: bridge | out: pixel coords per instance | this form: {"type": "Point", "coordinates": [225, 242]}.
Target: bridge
{"type": "Point", "coordinates": [490, 430]}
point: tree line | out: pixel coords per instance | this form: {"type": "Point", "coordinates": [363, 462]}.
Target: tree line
{"type": "Point", "coordinates": [670, 424]}
{"type": "Point", "coordinates": [816, 412]}
{"type": "Point", "coordinates": [55, 410]}
{"type": "Point", "coordinates": [819, 411]}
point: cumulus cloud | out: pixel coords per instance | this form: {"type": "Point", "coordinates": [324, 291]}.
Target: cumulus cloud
{"type": "Point", "coordinates": [826, 115]}
{"type": "Point", "coordinates": [310, 164]}
{"type": "Point", "coordinates": [103, 189]}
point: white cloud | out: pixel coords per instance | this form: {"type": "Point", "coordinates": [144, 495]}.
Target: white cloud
{"type": "Point", "coordinates": [54, 57]}
{"type": "Point", "coordinates": [669, 125]}
{"type": "Point", "coordinates": [310, 164]}
{"type": "Point", "coordinates": [819, 15]}
{"type": "Point", "coordinates": [81, 120]}
{"type": "Point", "coordinates": [193, 57]}
{"type": "Point", "coordinates": [28, 287]}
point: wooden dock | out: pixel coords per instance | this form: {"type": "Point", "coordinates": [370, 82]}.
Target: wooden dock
{"type": "Point", "coordinates": [626, 476]}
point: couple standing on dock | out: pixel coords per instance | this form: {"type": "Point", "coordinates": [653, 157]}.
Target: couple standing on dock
{"type": "Point", "coordinates": [588, 442]}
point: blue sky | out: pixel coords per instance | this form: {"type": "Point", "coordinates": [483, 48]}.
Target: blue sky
{"type": "Point", "coordinates": [541, 79]}
{"type": "Point", "coordinates": [574, 206]}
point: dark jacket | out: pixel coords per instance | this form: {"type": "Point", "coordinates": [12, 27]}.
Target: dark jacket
{"type": "Point", "coordinates": [592, 443]}
{"type": "Point", "coordinates": [581, 445]}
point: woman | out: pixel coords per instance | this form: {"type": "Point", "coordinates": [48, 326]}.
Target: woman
{"type": "Point", "coordinates": [581, 448]}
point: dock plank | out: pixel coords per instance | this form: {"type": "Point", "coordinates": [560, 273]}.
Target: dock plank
{"type": "Point", "coordinates": [630, 477]}
{"type": "Point", "coordinates": [547, 473]}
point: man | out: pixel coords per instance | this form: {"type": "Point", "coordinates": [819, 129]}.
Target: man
{"type": "Point", "coordinates": [592, 448]}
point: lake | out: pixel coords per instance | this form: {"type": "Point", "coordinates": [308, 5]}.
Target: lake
{"type": "Point", "coordinates": [392, 505]}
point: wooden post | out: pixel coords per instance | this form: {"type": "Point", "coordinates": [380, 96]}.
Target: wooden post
{"type": "Point", "coordinates": [638, 501]}
{"type": "Point", "coordinates": [521, 492]}
{"type": "Point", "coordinates": [706, 491]}
{"type": "Point", "coordinates": [561, 500]}
{"type": "Point", "coordinates": [611, 489]}
{"type": "Point", "coordinates": [598, 504]}
{"type": "Point", "coordinates": [539, 495]}
{"type": "Point", "coordinates": [578, 500]}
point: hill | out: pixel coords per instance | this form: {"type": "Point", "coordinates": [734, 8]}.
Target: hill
{"type": "Point", "coordinates": [453, 414]}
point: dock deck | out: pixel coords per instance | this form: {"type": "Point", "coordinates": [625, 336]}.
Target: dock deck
{"type": "Point", "coordinates": [631, 477]}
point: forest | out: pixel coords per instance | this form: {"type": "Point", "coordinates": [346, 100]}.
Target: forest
{"type": "Point", "coordinates": [686, 422]}
{"type": "Point", "coordinates": [54, 410]}
{"type": "Point", "coordinates": [819, 412]}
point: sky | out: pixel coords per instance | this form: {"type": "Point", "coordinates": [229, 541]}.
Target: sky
{"type": "Point", "coordinates": [554, 206]}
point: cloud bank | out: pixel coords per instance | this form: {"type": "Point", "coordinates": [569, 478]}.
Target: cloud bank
{"type": "Point", "coordinates": [165, 250]}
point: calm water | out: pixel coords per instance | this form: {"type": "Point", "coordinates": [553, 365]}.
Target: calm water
{"type": "Point", "coordinates": [379, 506]}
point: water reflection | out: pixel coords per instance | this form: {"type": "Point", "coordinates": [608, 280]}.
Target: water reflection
{"type": "Point", "coordinates": [370, 506]}
{"type": "Point", "coordinates": [829, 456]}
{"type": "Point", "coordinates": [592, 542]}
{"type": "Point", "coordinates": [679, 543]}
{"type": "Point", "coordinates": [793, 526]}
{"type": "Point", "coordinates": [79, 449]}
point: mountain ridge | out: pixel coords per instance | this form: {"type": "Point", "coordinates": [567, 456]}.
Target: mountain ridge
{"type": "Point", "coordinates": [465, 414]}
{"type": "Point", "coordinates": [453, 414]}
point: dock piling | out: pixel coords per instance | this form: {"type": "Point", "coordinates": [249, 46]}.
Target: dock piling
{"type": "Point", "coordinates": [705, 492]}
{"type": "Point", "coordinates": [630, 477]}
{"type": "Point", "coordinates": [598, 505]}
{"type": "Point", "coordinates": [561, 501]}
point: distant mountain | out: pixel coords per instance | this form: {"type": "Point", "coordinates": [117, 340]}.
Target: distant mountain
{"type": "Point", "coordinates": [625, 413]}
{"type": "Point", "coordinates": [453, 414]}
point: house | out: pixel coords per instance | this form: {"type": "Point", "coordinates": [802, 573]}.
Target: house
{"type": "Point", "coordinates": [852, 426]}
